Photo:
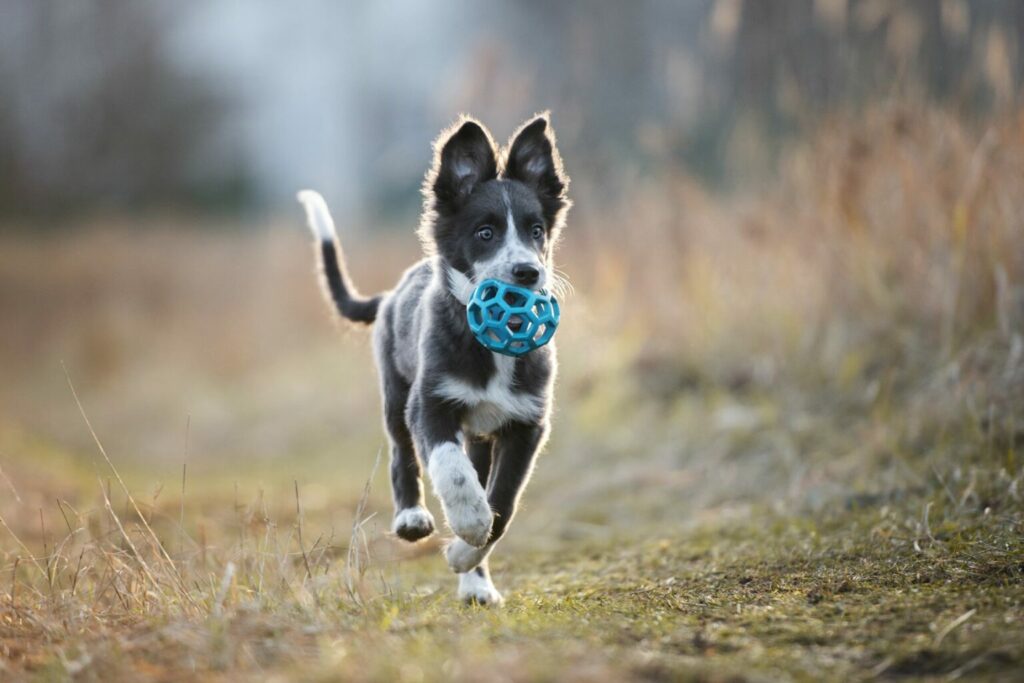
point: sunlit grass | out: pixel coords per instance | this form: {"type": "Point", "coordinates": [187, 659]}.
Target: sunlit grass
{"type": "Point", "coordinates": [787, 443]}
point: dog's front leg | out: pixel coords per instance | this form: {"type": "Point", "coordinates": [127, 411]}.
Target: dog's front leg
{"type": "Point", "coordinates": [516, 448]}
{"type": "Point", "coordinates": [440, 441]}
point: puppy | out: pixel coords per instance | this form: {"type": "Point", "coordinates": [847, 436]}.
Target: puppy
{"type": "Point", "coordinates": [475, 419]}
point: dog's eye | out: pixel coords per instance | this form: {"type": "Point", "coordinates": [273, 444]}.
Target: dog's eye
{"type": "Point", "coordinates": [485, 233]}
{"type": "Point", "coordinates": [537, 232]}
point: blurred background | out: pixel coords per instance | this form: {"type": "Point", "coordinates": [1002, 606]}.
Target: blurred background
{"type": "Point", "coordinates": [796, 243]}
{"type": "Point", "coordinates": [230, 106]}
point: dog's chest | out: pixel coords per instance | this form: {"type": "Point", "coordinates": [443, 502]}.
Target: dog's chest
{"type": "Point", "coordinates": [496, 403]}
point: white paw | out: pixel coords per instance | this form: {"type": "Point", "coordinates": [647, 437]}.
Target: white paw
{"type": "Point", "coordinates": [478, 590]}
{"type": "Point", "coordinates": [412, 524]}
{"type": "Point", "coordinates": [463, 499]}
{"type": "Point", "coordinates": [469, 517]}
{"type": "Point", "coordinates": [463, 557]}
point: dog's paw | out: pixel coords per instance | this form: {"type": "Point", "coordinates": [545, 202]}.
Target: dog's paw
{"type": "Point", "coordinates": [469, 517]}
{"type": "Point", "coordinates": [462, 557]}
{"type": "Point", "coordinates": [462, 497]}
{"type": "Point", "coordinates": [478, 590]}
{"type": "Point", "coordinates": [412, 524]}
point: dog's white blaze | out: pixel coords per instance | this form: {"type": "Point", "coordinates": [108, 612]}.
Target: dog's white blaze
{"type": "Point", "coordinates": [496, 403]}
{"type": "Point", "coordinates": [473, 587]}
{"type": "Point", "coordinates": [499, 266]}
{"type": "Point", "coordinates": [511, 252]}
{"type": "Point", "coordinates": [317, 215]}
{"type": "Point", "coordinates": [463, 499]}
{"type": "Point", "coordinates": [513, 244]}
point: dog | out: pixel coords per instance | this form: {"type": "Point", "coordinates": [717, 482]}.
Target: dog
{"type": "Point", "coordinates": [474, 418]}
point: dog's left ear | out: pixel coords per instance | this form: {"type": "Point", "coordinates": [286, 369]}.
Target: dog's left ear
{"type": "Point", "coordinates": [533, 160]}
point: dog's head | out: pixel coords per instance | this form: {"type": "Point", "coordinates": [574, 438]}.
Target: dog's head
{"type": "Point", "coordinates": [491, 214]}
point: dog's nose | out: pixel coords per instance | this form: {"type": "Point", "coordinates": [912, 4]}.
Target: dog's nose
{"type": "Point", "coordinates": [525, 274]}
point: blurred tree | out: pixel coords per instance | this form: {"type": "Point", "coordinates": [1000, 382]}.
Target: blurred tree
{"type": "Point", "coordinates": [781, 65]}
{"type": "Point", "coordinates": [94, 111]}
{"type": "Point", "coordinates": [101, 101]}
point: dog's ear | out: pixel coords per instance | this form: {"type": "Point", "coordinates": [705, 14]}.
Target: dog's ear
{"type": "Point", "coordinates": [464, 156]}
{"type": "Point", "coordinates": [533, 160]}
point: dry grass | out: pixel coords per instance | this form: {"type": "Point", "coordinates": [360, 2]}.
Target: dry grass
{"type": "Point", "coordinates": [786, 444]}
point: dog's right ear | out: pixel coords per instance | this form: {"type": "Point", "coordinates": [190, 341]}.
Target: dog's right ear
{"type": "Point", "coordinates": [464, 157]}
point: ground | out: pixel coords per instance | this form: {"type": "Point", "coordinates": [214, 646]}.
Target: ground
{"type": "Point", "coordinates": [856, 593]}
{"type": "Point", "coordinates": [641, 580]}
{"type": "Point", "coordinates": [786, 448]}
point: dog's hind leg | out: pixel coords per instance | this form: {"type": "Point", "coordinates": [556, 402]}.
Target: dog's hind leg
{"type": "Point", "coordinates": [412, 519]}
{"type": "Point", "coordinates": [476, 587]}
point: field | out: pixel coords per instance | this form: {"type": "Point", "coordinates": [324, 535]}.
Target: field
{"type": "Point", "coordinates": [787, 445]}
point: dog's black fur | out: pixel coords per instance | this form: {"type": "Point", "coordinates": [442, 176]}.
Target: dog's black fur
{"type": "Point", "coordinates": [449, 402]}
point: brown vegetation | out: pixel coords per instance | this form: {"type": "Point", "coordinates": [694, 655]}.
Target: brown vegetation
{"type": "Point", "coordinates": [797, 414]}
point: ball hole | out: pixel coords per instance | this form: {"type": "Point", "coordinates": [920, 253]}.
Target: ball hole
{"type": "Point", "coordinates": [514, 299]}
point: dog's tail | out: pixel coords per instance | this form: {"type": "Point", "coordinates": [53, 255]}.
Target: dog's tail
{"type": "Point", "coordinates": [336, 283]}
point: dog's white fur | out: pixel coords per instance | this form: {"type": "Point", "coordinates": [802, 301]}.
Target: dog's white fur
{"type": "Point", "coordinates": [460, 286]}
{"type": "Point", "coordinates": [417, 517]}
{"type": "Point", "coordinates": [463, 557]}
{"type": "Point", "coordinates": [317, 215]}
{"type": "Point", "coordinates": [462, 497]}
{"type": "Point", "coordinates": [495, 404]}
{"type": "Point", "coordinates": [478, 589]}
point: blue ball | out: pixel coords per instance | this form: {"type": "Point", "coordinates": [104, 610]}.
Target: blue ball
{"type": "Point", "coordinates": [512, 320]}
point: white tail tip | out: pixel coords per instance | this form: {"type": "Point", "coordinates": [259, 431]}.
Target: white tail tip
{"type": "Point", "coordinates": [317, 215]}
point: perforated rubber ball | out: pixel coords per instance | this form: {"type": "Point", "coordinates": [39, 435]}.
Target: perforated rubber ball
{"type": "Point", "coordinates": [512, 320]}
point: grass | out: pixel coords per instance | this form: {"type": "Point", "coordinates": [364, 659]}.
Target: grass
{"type": "Point", "coordinates": [864, 592]}
{"type": "Point", "coordinates": [788, 448]}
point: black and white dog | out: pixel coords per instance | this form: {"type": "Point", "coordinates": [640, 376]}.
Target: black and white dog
{"type": "Point", "coordinates": [475, 418]}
